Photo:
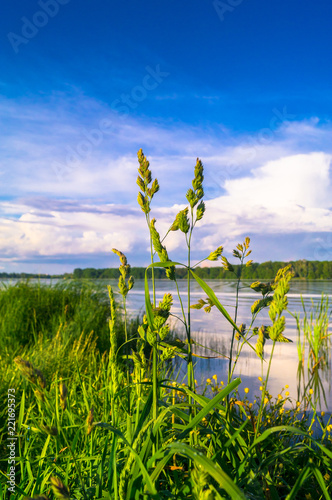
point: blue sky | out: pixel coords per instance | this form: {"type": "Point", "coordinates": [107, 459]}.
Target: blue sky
{"type": "Point", "coordinates": [242, 84]}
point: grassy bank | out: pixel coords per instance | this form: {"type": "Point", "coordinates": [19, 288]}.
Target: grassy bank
{"type": "Point", "coordinates": [67, 430]}
{"type": "Point", "coordinates": [57, 328]}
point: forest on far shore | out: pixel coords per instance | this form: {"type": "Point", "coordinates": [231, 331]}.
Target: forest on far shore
{"type": "Point", "coordinates": [303, 269]}
{"type": "Point", "coordinates": [312, 270]}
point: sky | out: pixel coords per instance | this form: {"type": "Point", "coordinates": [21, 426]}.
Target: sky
{"type": "Point", "coordinates": [245, 85]}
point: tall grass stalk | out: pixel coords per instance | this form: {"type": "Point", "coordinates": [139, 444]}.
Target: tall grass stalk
{"type": "Point", "coordinates": [241, 252]}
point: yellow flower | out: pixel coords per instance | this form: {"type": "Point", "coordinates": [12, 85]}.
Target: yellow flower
{"type": "Point", "coordinates": [215, 377]}
{"type": "Point", "coordinates": [322, 413]}
{"type": "Point", "coordinates": [208, 381]}
{"type": "Point", "coordinates": [286, 386]}
{"type": "Point", "coordinates": [286, 393]}
{"type": "Point", "coordinates": [266, 400]}
{"type": "Point", "coordinates": [281, 411]}
{"type": "Point", "coordinates": [221, 382]}
{"type": "Point", "coordinates": [279, 396]}
{"type": "Point", "coordinates": [195, 381]}
{"type": "Point", "coordinates": [250, 405]}
{"type": "Point", "coordinates": [261, 388]}
{"type": "Point", "coordinates": [311, 391]}
{"type": "Point", "coordinates": [298, 403]}
{"type": "Point", "coordinates": [246, 390]}
{"type": "Point", "coordinates": [260, 379]}
{"type": "Point", "coordinates": [329, 428]}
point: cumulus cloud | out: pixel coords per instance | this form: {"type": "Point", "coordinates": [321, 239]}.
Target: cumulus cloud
{"type": "Point", "coordinates": [275, 183]}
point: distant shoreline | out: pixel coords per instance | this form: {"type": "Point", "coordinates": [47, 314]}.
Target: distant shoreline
{"type": "Point", "coordinates": [303, 270]}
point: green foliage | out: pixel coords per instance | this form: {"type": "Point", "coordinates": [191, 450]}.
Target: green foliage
{"type": "Point", "coordinates": [34, 312]}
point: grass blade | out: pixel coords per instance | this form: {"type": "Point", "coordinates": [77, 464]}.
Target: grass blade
{"type": "Point", "coordinates": [209, 406]}
{"type": "Point", "coordinates": [224, 481]}
{"type": "Point", "coordinates": [144, 472]}
{"type": "Point", "coordinates": [321, 482]}
{"type": "Point", "coordinates": [212, 296]}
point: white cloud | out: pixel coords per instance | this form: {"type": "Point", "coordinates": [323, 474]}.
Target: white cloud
{"type": "Point", "coordinates": [289, 181]}
{"type": "Point", "coordinates": [276, 183]}
{"type": "Point", "coordinates": [291, 194]}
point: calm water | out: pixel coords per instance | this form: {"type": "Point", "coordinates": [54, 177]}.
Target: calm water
{"type": "Point", "coordinates": [214, 332]}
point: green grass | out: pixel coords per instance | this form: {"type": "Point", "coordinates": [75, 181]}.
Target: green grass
{"type": "Point", "coordinates": [99, 413]}
{"type": "Point", "coordinates": [93, 456]}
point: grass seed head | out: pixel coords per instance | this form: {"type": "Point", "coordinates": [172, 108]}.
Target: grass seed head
{"type": "Point", "coordinates": [59, 489]}
{"type": "Point", "coordinates": [181, 221]}
{"type": "Point", "coordinates": [275, 331]}
{"type": "Point", "coordinates": [29, 372]}
{"type": "Point", "coordinates": [63, 395]}
{"type": "Point", "coordinates": [217, 253]}
{"type": "Point", "coordinates": [40, 378]}
{"type": "Point", "coordinates": [227, 265]}
{"type": "Point", "coordinates": [26, 368]}
{"type": "Point", "coordinates": [51, 431]}
{"type": "Point", "coordinates": [161, 250]}
{"type": "Point", "coordinates": [154, 188]}
{"type": "Point", "coordinates": [200, 211]}
{"type": "Point", "coordinates": [122, 257]}
{"type": "Point", "coordinates": [143, 180]}
{"type": "Point", "coordinates": [260, 343]}
{"type": "Point", "coordinates": [90, 420]}
{"type": "Point", "coordinates": [140, 183]}
{"type": "Point", "coordinates": [131, 282]}
{"type": "Point", "coordinates": [191, 198]}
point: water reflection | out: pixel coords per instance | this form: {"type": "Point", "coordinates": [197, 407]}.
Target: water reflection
{"type": "Point", "coordinates": [213, 331]}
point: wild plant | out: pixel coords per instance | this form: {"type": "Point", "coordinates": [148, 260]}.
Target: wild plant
{"type": "Point", "coordinates": [185, 221]}
{"type": "Point", "coordinates": [313, 348]}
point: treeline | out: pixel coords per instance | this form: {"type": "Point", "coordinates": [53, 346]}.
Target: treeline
{"type": "Point", "coordinates": [25, 276]}
{"type": "Point", "coordinates": [304, 269]}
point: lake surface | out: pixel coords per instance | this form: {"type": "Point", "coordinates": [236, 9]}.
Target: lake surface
{"type": "Point", "coordinates": [213, 331]}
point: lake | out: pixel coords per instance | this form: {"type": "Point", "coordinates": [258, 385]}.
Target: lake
{"type": "Point", "coordinates": [213, 331]}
